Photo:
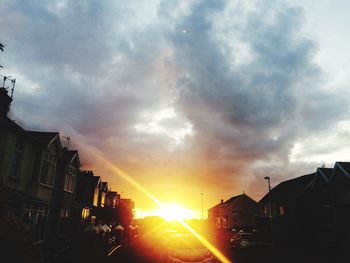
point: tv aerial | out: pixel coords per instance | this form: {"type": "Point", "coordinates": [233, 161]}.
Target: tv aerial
{"type": "Point", "coordinates": [12, 80]}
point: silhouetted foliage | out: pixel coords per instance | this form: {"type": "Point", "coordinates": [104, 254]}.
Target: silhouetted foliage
{"type": "Point", "coordinates": [16, 243]}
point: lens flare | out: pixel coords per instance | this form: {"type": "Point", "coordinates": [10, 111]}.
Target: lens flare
{"type": "Point", "coordinates": [142, 189]}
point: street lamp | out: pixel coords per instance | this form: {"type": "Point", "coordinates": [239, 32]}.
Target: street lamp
{"type": "Point", "coordinates": [269, 188]}
{"type": "Point", "coordinates": [270, 205]}
{"type": "Point", "coordinates": [202, 205]}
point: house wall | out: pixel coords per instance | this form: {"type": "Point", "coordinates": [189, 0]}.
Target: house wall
{"type": "Point", "coordinates": [243, 213]}
{"type": "Point", "coordinates": [7, 148]}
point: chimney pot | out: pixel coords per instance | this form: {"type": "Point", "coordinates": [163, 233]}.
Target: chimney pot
{"type": "Point", "coordinates": [5, 102]}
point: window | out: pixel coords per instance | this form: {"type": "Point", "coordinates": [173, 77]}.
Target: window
{"type": "Point", "coordinates": [265, 210]}
{"type": "Point", "coordinates": [64, 213]}
{"type": "Point", "coordinates": [48, 168]}
{"type": "Point", "coordinates": [103, 198]}
{"type": "Point", "coordinates": [282, 212]}
{"type": "Point", "coordinates": [17, 158]}
{"type": "Point", "coordinates": [95, 202]}
{"type": "Point", "coordinates": [223, 223]}
{"type": "Point", "coordinates": [70, 178]}
{"type": "Point", "coordinates": [218, 222]}
{"type": "Point", "coordinates": [85, 213]}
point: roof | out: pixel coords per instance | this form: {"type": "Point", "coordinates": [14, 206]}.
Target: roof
{"type": "Point", "coordinates": [104, 186]}
{"type": "Point", "coordinates": [8, 123]}
{"type": "Point", "coordinates": [289, 189]}
{"type": "Point", "coordinates": [215, 206]}
{"type": "Point", "coordinates": [231, 200]}
{"type": "Point", "coordinates": [88, 176]}
{"type": "Point", "coordinates": [68, 155]}
{"type": "Point", "coordinates": [43, 136]}
{"type": "Point", "coordinates": [344, 167]}
{"type": "Point", "coordinates": [326, 173]}
{"type": "Point", "coordinates": [112, 194]}
{"type": "Point", "coordinates": [95, 179]}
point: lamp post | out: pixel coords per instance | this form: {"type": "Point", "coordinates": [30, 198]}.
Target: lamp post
{"type": "Point", "coordinates": [202, 205]}
{"type": "Point", "coordinates": [269, 188]}
{"type": "Point", "coordinates": [270, 204]}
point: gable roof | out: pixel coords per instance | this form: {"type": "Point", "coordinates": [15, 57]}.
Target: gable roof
{"type": "Point", "coordinates": [7, 123]}
{"type": "Point", "coordinates": [326, 173]}
{"type": "Point", "coordinates": [45, 137]}
{"type": "Point", "coordinates": [69, 155]}
{"type": "Point", "coordinates": [288, 190]}
{"type": "Point", "coordinates": [344, 167]}
{"type": "Point", "coordinates": [215, 206]}
{"type": "Point", "coordinates": [105, 186]}
{"type": "Point", "coordinates": [232, 200]}
{"type": "Point", "coordinates": [90, 178]}
{"type": "Point", "coordinates": [112, 194]}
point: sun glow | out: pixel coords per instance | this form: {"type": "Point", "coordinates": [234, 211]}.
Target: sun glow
{"type": "Point", "coordinates": [164, 208]}
{"type": "Point", "coordinates": [171, 212]}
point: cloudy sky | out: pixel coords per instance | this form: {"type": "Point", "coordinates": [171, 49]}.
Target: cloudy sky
{"type": "Point", "coordinates": [187, 97]}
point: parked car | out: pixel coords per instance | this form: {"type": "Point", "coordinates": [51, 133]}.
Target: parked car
{"type": "Point", "coordinates": [243, 240]}
{"type": "Point", "coordinates": [183, 248]}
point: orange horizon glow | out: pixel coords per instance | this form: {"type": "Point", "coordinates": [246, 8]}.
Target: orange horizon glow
{"type": "Point", "coordinates": [163, 208]}
{"type": "Point", "coordinates": [169, 211]}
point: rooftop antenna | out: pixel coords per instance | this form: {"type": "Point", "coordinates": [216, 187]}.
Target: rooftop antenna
{"type": "Point", "coordinates": [4, 80]}
{"type": "Point", "coordinates": [13, 81]}
{"type": "Point", "coordinates": [67, 141]}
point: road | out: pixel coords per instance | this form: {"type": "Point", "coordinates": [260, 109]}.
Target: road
{"type": "Point", "coordinates": [146, 250]}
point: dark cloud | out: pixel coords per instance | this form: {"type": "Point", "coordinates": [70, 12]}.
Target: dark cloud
{"type": "Point", "coordinates": [241, 75]}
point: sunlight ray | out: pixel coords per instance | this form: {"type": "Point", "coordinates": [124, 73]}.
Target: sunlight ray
{"type": "Point", "coordinates": [216, 252]}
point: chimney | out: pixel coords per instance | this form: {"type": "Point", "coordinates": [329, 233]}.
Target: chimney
{"type": "Point", "coordinates": [5, 102]}
{"type": "Point", "coordinates": [222, 201]}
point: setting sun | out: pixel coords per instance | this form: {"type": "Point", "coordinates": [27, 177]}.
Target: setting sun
{"type": "Point", "coordinates": [170, 212]}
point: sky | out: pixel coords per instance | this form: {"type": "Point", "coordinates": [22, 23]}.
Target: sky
{"type": "Point", "coordinates": [186, 97]}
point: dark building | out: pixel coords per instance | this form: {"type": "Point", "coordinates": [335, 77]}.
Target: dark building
{"type": "Point", "coordinates": [340, 183]}
{"type": "Point", "coordinates": [284, 224]}
{"type": "Point", "coordinates": [317, 212]}
{"type": "Point", "coordinates": [238, 212]}
{"type": "Point", "coordinates": [27, 167]}
{"type": "Point", "coordinates": [67, 211]}
{"type": "Point", "coordinates": [88, 191]}
{"type": "Point", "coordinates": [42, 183]}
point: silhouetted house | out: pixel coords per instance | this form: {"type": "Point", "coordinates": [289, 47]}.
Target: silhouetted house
{"type": "Point", "coordinates": [125, 211]}
{"type": "Point", "coordinates": [27, 167]}
{"type": "Point", "coordinates": [237, 212]}
{"type": "Point", "coordinates": [112, 199]}
{"type": "Point", "coordinates": [213, 215]}
{"type": "Point", "coordinates": [45, 170]}
{"type": "Point", "coordinates": [67, 211]}
{"type": "Point", "coordinates": [88, 190]}
{"type": "Point", "coordinates": [340, 181]}
{"type": "Point", "coordinates": [316, 218]}
{"type": "Point", "coordinates": [285, 209]}
{"type": "Point", "coordinates": [44, 185]}
{"type": "Point", "coordinates": [102, 194]}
